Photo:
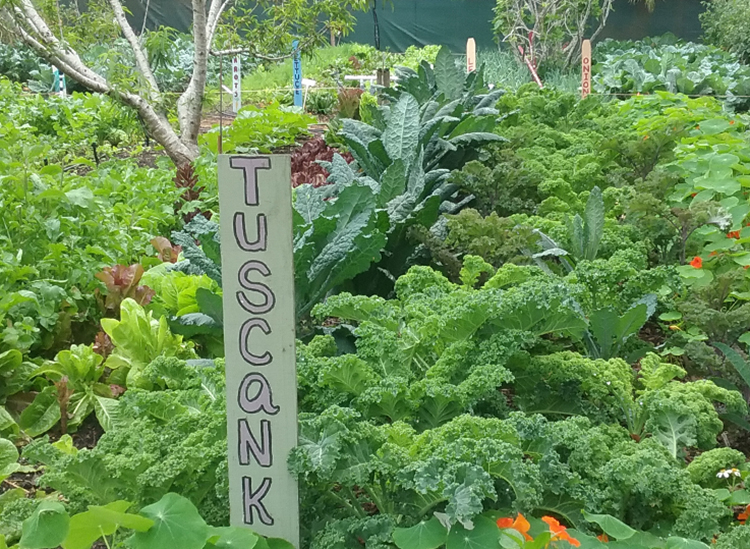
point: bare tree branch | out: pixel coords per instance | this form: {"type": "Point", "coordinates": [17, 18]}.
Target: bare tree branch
{"type": "Point", "coordinates": [190, 102]}
{"type": "Point", "coordinates": [214, 15]}
{"type": "Point", "coordinates": [141, 61]}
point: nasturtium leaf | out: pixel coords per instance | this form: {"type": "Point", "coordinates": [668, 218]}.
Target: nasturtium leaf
{"type": "Point", "coordinates": [722, 494]}
{"type": "Point", "coordinates": [610, 525]}
{"type": "Point", "coordinates": [721, 244]}
{"type": "Point", "coordinates": [484, 534]}
{"type": "Point", "coordinates": [682, 543]}
{"type": "Point", "coordinates": [670, 316]}
{"type": "Point", "coordinates": [46, 528]}
{"type": "Point", "coordinates": [278, 543]}
{"type": "Point", "coordinates": [114, 513]}
{"type": "Point", "coordinates": [674, 351]}
{"type": "Point", "coordinates": [723, 185]}
{"type": "Point", "coordinates": [511, 539]}
{"type": "Point", "coordinates": [714, 126]}
{"type": "Point", "coordinates": [723, 161]}
{"type": "Point", "coordinates": [177, 524]}
{"type": "Point", "coordinates": [739, 497]}
{"type": "Point", "coordinates": [589, 542]}
{"type": "Point", "coordinates": [703, 196]}
{"type": "Point", "coordinates": [233, 537]}
{"type": "Point", "coordinates": [91, 525]}
{"type": "Point", "coordinates": [742, 259]}
{"type": "Point", "coordinates": [688, 271]}
{"type": "Point", "coordinates": [745, 338]}
{"type": "Point", "coordinates": [425, 535]}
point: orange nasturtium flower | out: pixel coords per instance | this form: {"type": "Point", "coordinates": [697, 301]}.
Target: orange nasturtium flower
{"type": "Point", "coordinates": [744, 515]}
{"type": "Point", "coordinates": [520, 524]}
{"type": "Point", "coordinates": [696, 263]}
{"type": "Point", "coordinates": [559, 532]}
{"type": "Point", "coordinates": [733, 234]}
{"type": "Point", "coordinates": [603, 537]}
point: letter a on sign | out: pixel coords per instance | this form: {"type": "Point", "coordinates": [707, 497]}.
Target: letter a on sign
{"type": "Point", "coordinates": [255, 199]}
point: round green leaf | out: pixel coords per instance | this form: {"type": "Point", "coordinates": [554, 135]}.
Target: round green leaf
{"type": "Point", "coordinates": [714, 126]}
{"type": "Point", "coordinates": [740, 497]}
{"type": "Point", "coordinates": [725, 160]}
{"type": "Point", "coordinates": [46, 528]}
{"type": "Point", "coordinates": [278, 543]}
{"type": "Point", "coordinates": [610, 525]}
{"type": "Point", "coordinates": [233, 537]}
{"type": "Point", "coordinates": [682, 543]}
{"type": "Point", "coordinates": [91, 525]}
{"type": "Point", "coordinates": [670, 316]}
{"type": "Point", "coordinates": [511, 539]}
{"type": "Point", "coordinates": [177, 524]}
{"type": "Point", "coordinates": [484, 534]}
{"type": "Point", "coordinates": [425, 535]}
{"type": "Point", "coordinates": [722, 494]}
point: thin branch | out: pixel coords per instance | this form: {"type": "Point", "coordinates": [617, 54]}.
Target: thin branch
{"type": "Point", "coordinates": [145, 16]}
{"type": "Point", "coordinates": [141, 61]}
{"type": "Point", "coordinates": [214, 16]}
{"type": "Point", "coordinates": [253, 53]}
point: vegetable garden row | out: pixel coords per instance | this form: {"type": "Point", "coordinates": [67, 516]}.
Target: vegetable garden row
{"type": "Point", "coordinates": [523, 317]}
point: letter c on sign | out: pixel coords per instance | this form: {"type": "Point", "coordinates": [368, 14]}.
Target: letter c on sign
{"type": "Point", "coordinates": [247, 326]}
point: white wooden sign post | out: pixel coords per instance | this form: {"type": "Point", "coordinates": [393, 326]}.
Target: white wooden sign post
{"type": "Point", "coordinates": [471, 55]}
{"type": "Point", "coordinates": [236, 84]}
{"type": "Point", "coordinates": [255, 198]}
{"type": "Point", "coordinates": [585, 68]}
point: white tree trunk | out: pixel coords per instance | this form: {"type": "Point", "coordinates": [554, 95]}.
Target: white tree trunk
{"type": "Point", "coordinates": [30, 27]}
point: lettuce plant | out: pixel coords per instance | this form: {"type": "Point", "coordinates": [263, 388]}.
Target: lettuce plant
{"type": "Point", "coordinates": [138, 339]}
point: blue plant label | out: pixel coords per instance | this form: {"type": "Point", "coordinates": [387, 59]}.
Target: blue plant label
{"type": "Point", "coordinates": [297, 74]}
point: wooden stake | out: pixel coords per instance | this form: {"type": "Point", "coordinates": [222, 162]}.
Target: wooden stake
{"type": "Point", "coordinates": [585, 68]}
{"type": "Point", "coordinates": [471, 55]}
{"type": "Point", "coordinates": [220, 148]}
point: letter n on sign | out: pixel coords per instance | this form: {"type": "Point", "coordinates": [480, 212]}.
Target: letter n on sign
{"type": "Point", "coordinates": [255, 200]}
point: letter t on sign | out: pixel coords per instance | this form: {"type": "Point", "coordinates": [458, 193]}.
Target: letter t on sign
{"type": "Point", "coordinates": [255, 200]}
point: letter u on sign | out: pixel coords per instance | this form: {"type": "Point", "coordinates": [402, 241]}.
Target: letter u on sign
{"type": "Point", "coordinates": [255, 201]}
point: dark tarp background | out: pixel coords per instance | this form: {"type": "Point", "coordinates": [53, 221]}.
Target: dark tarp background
{"type": "Point", "coordinates": [452, 22]}
{"type": "Point", "coordinates": [404, 23]}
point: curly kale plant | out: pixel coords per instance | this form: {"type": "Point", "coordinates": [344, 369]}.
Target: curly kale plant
{"type": "Point", "coordinates": [168, 441]}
